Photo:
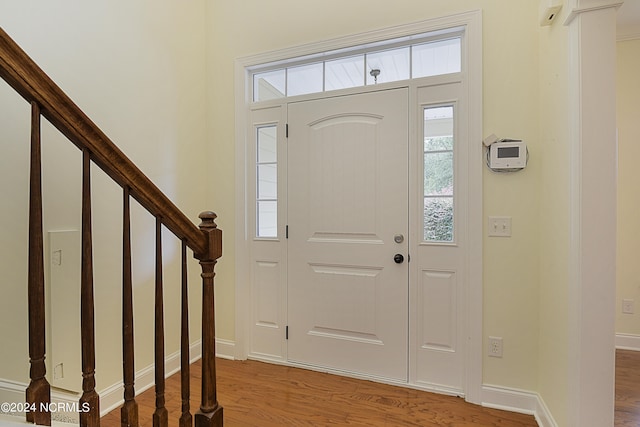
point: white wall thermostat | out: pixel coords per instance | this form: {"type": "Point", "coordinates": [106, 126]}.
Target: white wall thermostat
{"type": "Point", "coordinates": [508, 154]}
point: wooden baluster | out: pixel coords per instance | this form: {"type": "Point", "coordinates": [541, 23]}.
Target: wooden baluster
{"type": "Point", "coordinates": [39, 390]}
{"type": "Point", "coordinates": [89, 401]}
{"type": "Point", "coordinates": [129, 410]}
{"type": "Point", "coordinates": [186, 420]}
{"type": "Point", "coordinates": [160, 416]}
{"type": "Point", "coordinates": [210, 413]}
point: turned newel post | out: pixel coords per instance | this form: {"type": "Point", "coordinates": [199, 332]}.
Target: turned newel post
{"type": "Point", "coordinates": [210, 413]}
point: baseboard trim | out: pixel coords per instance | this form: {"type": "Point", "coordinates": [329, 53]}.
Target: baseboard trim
{"type": "Point", "coordinates": [9, 421]}
{"type": "Point", "coordinates": [225, 349]}
{"type": "Point", "coordinates": [521, 401]}
{"type": "Point", "coordinates": [628, 342]}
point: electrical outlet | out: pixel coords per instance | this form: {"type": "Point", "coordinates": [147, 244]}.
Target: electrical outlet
{"type": "Point", "coordinates": [495, 346]}
{"type": "Point", "coordinates": [627, 306]}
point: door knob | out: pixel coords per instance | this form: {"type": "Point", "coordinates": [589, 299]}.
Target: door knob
{"type": "Point", "coordinates": [398, 258]}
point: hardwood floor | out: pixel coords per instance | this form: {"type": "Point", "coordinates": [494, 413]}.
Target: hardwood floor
{"type": "Point", "coordinates": [265, 395]}
{"type": "Point", "coordinates": [627, 388]}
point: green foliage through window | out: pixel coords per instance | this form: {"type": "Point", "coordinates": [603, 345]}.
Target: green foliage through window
{"type": "Point", "coordinates": [438, 219]}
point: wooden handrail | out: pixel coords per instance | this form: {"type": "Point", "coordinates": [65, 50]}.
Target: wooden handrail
{"type": "Point", "coordinates": [205, 240]}
{"type": "Point", "coordinates": [26, 78]}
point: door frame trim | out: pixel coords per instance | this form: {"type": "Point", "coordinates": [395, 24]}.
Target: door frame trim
{"type": "Point", "coordinates": [472, 58]}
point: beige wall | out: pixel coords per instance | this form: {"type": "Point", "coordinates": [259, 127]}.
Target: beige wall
{"type": "Point", "coordinates": [138, 69]}
{"type": "Point", "coordinates": [511, 108]}
{"type": "Point", "coordinates": [628, 112]}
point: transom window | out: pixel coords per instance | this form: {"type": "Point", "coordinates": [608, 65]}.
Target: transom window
{"type": "Point", "coordinates": [399, 59]}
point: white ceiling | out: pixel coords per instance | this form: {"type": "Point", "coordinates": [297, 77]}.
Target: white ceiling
{"type": "Point", "coordinates": [629, 20]}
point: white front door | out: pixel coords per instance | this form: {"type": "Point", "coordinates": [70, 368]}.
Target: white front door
{"type": "Point", "coordinates": [348, 226]}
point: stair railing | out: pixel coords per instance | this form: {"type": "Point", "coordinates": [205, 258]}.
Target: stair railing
{"type": "Point", "coordinates": [49, 101]}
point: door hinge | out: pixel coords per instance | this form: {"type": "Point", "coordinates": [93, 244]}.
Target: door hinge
{"type": "Point", "coordinates": [286, 130]}
{"type": "Point", "coordinates": [286, 231]}
{"type": "Point", "coordinates": [286, 332]}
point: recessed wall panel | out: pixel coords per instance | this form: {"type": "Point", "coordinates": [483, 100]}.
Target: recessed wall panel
{"type": "Point", "coordinates": [267, 290]}
{"type": "Point", "coordinates": [438, 310]}
{"type": "Point", "coordinates": [343, 198]}
{"type": "Point", "coordinates": [344, 302]}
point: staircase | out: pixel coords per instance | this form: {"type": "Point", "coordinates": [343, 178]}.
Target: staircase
{"type": "Point", "coordinates": [203, 241]}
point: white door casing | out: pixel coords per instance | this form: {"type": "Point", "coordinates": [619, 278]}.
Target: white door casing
{"type": "Point", "coordinates": [347, 199]}
{"type": "Point", "coordinates": [261, 264]}
{"type": "Point", "coordinates": [438, 274]}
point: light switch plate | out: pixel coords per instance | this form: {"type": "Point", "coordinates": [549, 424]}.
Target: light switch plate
{"type": "Point", "coordinates": [499, 226]}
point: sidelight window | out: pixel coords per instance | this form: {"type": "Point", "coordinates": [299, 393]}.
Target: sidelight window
{"type": "Point", "coordinates": [267, 182]}
{"type": "Point", "coordinates": [438, 174]}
